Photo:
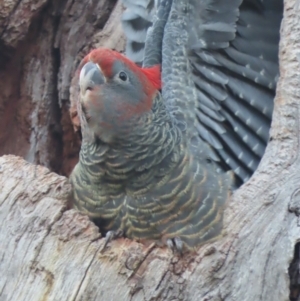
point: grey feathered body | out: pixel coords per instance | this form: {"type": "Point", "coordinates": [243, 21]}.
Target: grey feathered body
{"type": "Point", "coordinates": [151, 185]}
{"type": "Point", "coordinates": [167, 178]}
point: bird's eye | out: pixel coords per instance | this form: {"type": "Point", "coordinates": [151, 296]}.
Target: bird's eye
{"type": "Point", "coordinates": [123, 76]}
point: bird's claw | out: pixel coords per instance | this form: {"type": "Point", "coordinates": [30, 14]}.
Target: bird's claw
{"type": "Point", "coordinates": [175, 244]}
{"type": "Point", "coordinates": [111, 235]}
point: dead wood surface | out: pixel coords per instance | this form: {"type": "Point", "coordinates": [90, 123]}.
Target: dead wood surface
{"type": "Point", "coordinates": [48, 252]}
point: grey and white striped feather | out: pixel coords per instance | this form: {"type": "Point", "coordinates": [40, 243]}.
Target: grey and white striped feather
{"type": "Point", "coordinates": [219, 70]}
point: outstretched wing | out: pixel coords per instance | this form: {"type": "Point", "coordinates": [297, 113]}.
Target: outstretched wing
{"type": "Point", "coordinates": [219, 69]}
{"type": "Point", "coordinates": [234, 56]}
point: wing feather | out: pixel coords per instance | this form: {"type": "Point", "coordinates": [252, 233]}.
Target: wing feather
{"type": "Point", "coordinates": [219, 70]}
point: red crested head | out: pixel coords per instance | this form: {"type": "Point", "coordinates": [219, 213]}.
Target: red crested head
{"type": "Point", "coordinates": [106, 57]}
{"type": "Point", "coordinates": [114, 90]}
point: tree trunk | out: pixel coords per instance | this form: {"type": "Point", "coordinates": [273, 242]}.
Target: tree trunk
{"type": "Point", "coordinates": [48, 252]}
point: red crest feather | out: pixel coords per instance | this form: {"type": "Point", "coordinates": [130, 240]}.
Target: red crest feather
{"type": "Point", "coordinates": [154, 75]}
{"type": "Point", "coordinates": [105, 57]}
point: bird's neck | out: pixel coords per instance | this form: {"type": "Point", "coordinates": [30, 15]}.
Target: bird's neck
{"type": "Point", "coordinates": [150, 150]}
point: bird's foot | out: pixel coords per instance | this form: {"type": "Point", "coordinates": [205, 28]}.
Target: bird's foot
{"type": "Point", "coordinates": [175, 244]}
{"type": "Point", "coordinates": [111, 235]}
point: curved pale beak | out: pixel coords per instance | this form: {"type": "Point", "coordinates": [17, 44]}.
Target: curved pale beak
{"type": "Point", "coordinates": [90, 76]}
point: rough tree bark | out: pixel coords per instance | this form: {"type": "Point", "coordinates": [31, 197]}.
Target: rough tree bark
{"type": "Point", "coordinates": [48, 252]}
{"type": "Point", "coordinates": [41, 44]}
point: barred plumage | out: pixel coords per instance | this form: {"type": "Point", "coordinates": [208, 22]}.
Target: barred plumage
{"type": "Point", "coordinates": [150, 185]}
{"type": "Point", "coordinates": [155, 165]}
{"type": "Point", "coordinates": [229, 49]}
